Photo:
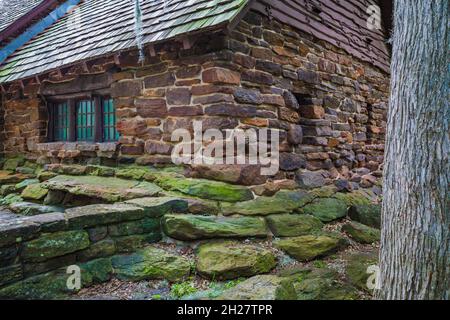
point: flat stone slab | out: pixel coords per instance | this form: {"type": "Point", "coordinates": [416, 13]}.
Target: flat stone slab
{"type": "Point", "coordinates": [104, 188]}
{"type": "Point", "coordinates": [14, 231]}
{"type": "Point", "coordinates": [230, 260]}
{"type": "Point", "coordinates": [32, 209]}
{"type": "Point", "coordinates": [100, 214]}
{"type": "Point", "coordinates": [158, 206]}
{"type": "Point", "coordinates": [261, 287]}
{"type": "Point", "coordinates": [8, 177]}
{"type": "Point", "coordinates": [281, 202]}
{"type": "Point", "coordinates": [151, 263]}
{"type": "Point", "coordinates": [192, 227]}
{"type": "Point", "coordinates": [306, 248]}
{"type": "Point", "coordinates": [205, 189]}
{"type": "Point", "coordinates": [56, 244]}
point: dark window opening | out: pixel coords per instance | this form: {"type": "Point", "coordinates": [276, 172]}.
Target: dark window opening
{"type": "Point", "coordinates": [304, 99]}
{"type": "Point", "coordinates": [87, 119]}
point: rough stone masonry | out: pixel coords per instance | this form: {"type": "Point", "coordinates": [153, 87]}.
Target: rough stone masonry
{"type": "Point", "coordinates": [329, 107]}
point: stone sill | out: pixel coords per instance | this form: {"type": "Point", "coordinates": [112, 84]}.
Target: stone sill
{"type": "Point", "coordinates": [78, 146]}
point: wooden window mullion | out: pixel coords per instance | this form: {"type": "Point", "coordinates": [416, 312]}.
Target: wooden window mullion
{"type": "Point", "coordinates": [51, 122]}
{"type": "Point", "coordinates": [73, 120]}
{"type": "Point", "coordinates": [98, 129]}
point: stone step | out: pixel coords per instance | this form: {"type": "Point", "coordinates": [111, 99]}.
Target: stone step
{"type": "Point", "coordinates": [104, 188]}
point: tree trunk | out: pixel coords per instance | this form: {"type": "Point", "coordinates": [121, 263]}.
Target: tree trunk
{"type": "Point", "coordinates": [414, 257]}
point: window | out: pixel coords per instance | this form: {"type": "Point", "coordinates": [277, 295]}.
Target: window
{"type": "Point", "coordinates": [83, 119]}
{"type": "Point", "coordinates": [61, 121]}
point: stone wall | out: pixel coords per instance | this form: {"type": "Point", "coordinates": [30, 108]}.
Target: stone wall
{"type": "Point", "coordinates": [35, 245]}
{"type": "Point", "coordinates": [329, 107]}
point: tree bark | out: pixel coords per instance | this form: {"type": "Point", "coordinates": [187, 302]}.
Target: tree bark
{"type": "Point", "coordinates": [414, 255]}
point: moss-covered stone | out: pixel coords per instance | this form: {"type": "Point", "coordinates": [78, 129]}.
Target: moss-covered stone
{"type": "Point", "coordinates": [326, 209]}
{"type": "Point", "coordinates": [159, 206]}
{"type": "Point", "coordinates": [151, 263]}
{"type": "Point", "coordinates": [101, 214]}
{"type": "Point", "coordinates": [205, 189]}
{"type": "Point", "coordinates": [70, 169]}
{"type": "Point", "coordinates": [25, 183]}
{"type": "Point", "coordinates": [322, 284]}
{"type": "Point", "coordinates": [282, 202]}
{"type": "Point", "coordinates": [131, 173]}
{"type": "Point", "coordinates": [261, 287]}
{"type": "Point", "coordinates": [305, 248]}
{"type": "Point", "coordinates": [357, 265]}
{"type": "Point", "coordinates": [133, 242]}
{"type": "Point", "coordinates": [34, 192]}
{"type": "Point", "coordinates": [104, 248]}
{"type": "Point", "coordinates": [53, 285]}
{"type": "Point", "coordinates": [100, 171]}
{"type": "Point", "coordinates": [54, 244]}
{"type": "Point", "coordinates": [229, 260]}
{"type": "Point", "coordinates": [361, 233]}
{"type": "Point", "coordinates": [368, 214]}
{"type": "Point", "coordinates": [10, 199]}
{"type": "Point", "coordinates": [146, 225]}
{"type": "Point", "coordinates": [192, 227]}
{"type": "Point", "coordinates": [292, 225]}
{"type": "Point", "coordinates": [7, 189]}
{"type": "Point", "coordinates": [106, 189]}
{"type": "Point", "coordinates": [12, 163]}
{"type": "Point", "coordinates": [354, 198]}
{"type": "Point", "coordinates": [7, 177]}
{"type": "Point", "coordinates": [99, 270]}
{"type": "Point", "coordinates": [33, 209]}
{"type": "Point", "coordinates": [46, 175]}
{"type": "Point", "coordinates": [11, 273]}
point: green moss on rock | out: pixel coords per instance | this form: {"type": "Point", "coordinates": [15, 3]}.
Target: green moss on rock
{"type": "Point", "coordinates": [326, 209]}
{"type": "Point", "coordinates": [305, 248]}
{"type": "Point", "coordinates": [205, 189]}
{"type": "Point", "coordinates": [322, 284]}
{"type": "Point", "coordinates": [54, 245]}
{"type": "Point", "coordinates": [292, 225]}
{"type": "Point", "coordinates": [282, 202]}
{"type": "Point", "coordinates": [192, 227]}
{"type": "Point", "coordinates": [261, 287]}
{"type": "Point", "coordinates": [34, 192]}
{"type": "Point", "coordinates": [12, 163]}
{"type": "Point", "coordinates": [131, 173]}
{"type": "Point", "coordinates": [361, 233]}
{"type": "Point", "coordinates": [151, 263]}
{"type": "Point", "coordinates": [229, 260]}
{"type": "Point", "coordinates": [368, 214]}
{"type": "Point", "coordinates": [357, 265]}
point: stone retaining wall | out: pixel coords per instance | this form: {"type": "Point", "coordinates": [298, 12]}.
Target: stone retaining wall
{"type": "Point", "coordinates": [329, 107]}
{"type": "Point", "coordinates": [138, 213]}
{"type": "Point", "coordinates": [38, 244]}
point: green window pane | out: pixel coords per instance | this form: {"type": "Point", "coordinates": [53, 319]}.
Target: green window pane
{"type": "Point", "coordinates": [85, 120]}
{"type": "Point", "coordinates": [61, 121]}
{"type": "Point", "coordinates": [109, 121]}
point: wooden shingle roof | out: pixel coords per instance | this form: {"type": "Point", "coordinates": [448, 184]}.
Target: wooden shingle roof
{"type": "Point", "coordinates": [97, 27]}
{"type": "Point", "coordinates": [11, 10]}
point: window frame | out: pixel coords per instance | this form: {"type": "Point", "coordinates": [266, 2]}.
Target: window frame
{"type": "Point", "coordinates": [72, 103]}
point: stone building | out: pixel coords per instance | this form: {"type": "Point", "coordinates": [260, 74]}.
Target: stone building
{"type": "Point", "coordinates": [108, 82]}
